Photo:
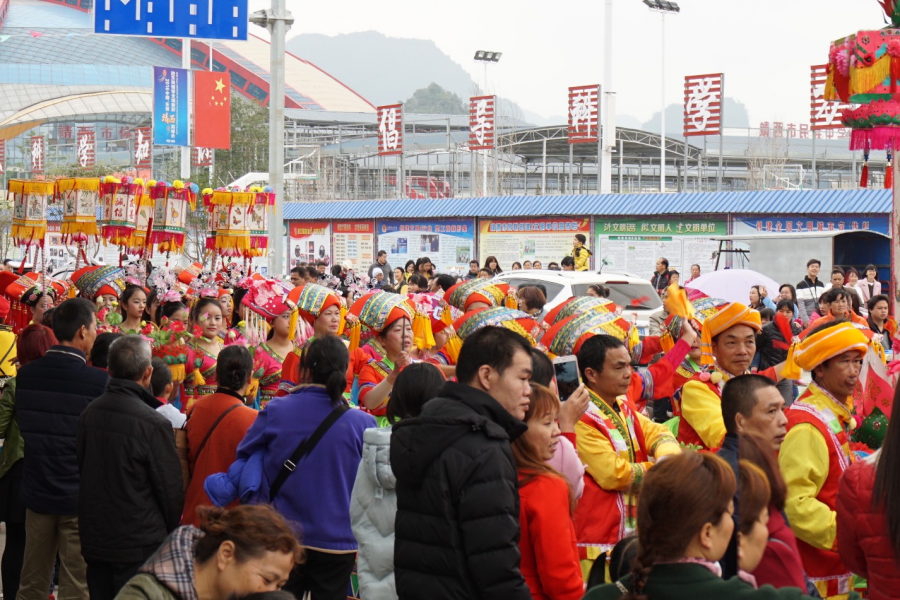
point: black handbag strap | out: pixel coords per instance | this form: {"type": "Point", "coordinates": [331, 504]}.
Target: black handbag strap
{"type": "Point", "coordinates": [213, 428]}
{"type": "Point", "coordinates": [305, 447]}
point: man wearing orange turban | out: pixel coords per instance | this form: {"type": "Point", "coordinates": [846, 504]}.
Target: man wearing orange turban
{"type": "Point", "coordinates": [816, 449]}
{"type": "Point", "coordinates": [728, 347]}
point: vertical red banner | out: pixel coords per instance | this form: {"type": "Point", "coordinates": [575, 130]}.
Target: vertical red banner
{"type": "Point", "coordinates": [823, 114]}
{"type": "Point", "coordinates": [390, 129]}
{"type": "Point", "coordinates": [37, 154]}
{"type": "Point", "coordinates": [584, 111]}
{"type": "Point", "coordinates": [203, 157]}
{"type": "Point", "coordinates": [481, 122]}
{"type": "Point", "coordinates": [142, 150]}
{"type": "Point", "coordinates": [703, 97]}
{"type": "Point", "coordinates": [86, 149]}
{"type": "Point", "coordinates": [212, 110]}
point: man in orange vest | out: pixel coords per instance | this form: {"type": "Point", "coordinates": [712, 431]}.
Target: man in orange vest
{"type": "Point", "coordinates": [816, 449]}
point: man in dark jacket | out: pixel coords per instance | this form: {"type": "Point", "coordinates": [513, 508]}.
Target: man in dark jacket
{"type": "Point", "coordinates": [809, 290]}
{"type": "Point", "coordinates": [457, 525]}
{"type": "Point", "coordinates": [51, 394]}
{"type": "Point", "coordinates": [381, 263]}
{"type": "Point", "coordinates": [660, 279]}
{"type": "Point", "coordinates": [131, 489]}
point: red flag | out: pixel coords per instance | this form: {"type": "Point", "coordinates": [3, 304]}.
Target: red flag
{"type": "Point", "coordinates": [212, 110]}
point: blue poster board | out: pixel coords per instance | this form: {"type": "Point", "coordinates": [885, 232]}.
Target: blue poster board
{"type": "Point", "coordinates": [170, 107]}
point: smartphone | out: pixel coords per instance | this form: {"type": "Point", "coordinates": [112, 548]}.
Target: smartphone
{"type": "Point", "coordinates": [567, 375]}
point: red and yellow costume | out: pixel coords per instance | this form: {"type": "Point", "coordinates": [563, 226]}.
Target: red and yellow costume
{"type": "Point", "coordinates": [379, 311]}
{"type": "Point", "coordinates": [814, 455]}
{"type": "Point", "coordinates": [24, 292]}
{"type": "Point", "coordinates": [487, 291]}
{"type": "Point", "coordinates": [617, 443]}
{"type": "Point", "coordinates": [267, 299]}
{"type": "Point", "coordinates": [699, 403]}
{"type": "Point", "coordinates": [311, 300]}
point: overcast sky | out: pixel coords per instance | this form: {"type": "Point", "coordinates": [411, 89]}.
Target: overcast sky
{"type": "Point", "coordinates": [764, 47]}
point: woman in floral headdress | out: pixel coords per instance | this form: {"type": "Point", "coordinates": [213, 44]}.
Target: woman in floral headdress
{"type": "Point", "coordinates": [266, 299]}
{"type": "Point", "coordinates": [390, 317]}
{"type": "Point", "coordinates": [205, 322]}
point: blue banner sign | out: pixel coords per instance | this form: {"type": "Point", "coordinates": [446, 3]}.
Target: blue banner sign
{"type": "Point", "coordinates": [170, 107]}
{"type": "Point", "coordinates": [203, 19]}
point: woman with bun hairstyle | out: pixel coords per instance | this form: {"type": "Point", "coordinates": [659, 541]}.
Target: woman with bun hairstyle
{"type": "Point", "coordinates": [685, 522]}
{"type": "Point", "coordinates": [316, 493]}
{"type": "Point", "coordinates": [234, 553]}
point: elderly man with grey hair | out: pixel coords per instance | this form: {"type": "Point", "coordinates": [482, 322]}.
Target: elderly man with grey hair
{"type": "Point", "coordinates": [131, 495]}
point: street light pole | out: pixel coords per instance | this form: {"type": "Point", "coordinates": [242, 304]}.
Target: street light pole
{"type": "Point", "coordinates": [662, 121]}
{"type": "Point", "coordinates": [485, 57]}
{"type": "Point", "coordinates": [663, 7]}
{"type": "Point", "coordinates": [608, 109]}
{"type": "Point", "coordinates": [277, 20]}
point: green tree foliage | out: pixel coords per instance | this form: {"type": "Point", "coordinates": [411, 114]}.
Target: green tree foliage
{"type": "Point", "coordinates": [435, 100]}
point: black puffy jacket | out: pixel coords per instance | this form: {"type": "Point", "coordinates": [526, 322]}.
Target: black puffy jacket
{"type": "Point", "coordinates": [457, 526]}
{"type": "Point", "coordinates": [131, 494]}
{"type": "Point", "coordinates": [51, 393]}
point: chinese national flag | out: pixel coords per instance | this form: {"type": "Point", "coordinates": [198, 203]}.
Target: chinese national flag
{"type": "Point", "coordinates": [212, 110]}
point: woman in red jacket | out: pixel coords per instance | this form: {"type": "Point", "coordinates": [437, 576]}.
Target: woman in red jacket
{"type": "Point", "coordinates": [868, 515]}
{"type": "Point", "coordinates": [548, 546]}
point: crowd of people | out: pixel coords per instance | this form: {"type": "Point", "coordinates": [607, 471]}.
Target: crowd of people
{"type": "Point", "coordinates": [401, 433]}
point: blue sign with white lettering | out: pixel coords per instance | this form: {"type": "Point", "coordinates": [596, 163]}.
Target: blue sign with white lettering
{"type": "Point", "coordinates": [205, 19]}
{"type": "Point", "coordinates": [170, 107]}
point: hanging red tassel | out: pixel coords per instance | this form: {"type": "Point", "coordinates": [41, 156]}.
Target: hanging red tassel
{"type": "Point", "coordinates": [864, 178]}
{"type": "Point", "coordinates": [895, 73]}
{"type": "Point", "coordinates": [889, 172]}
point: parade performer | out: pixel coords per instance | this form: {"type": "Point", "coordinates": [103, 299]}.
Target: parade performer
{"type": "Point", "coordinates": [479, 293]}
{"type": "Point", "coordinates": [266, 298]}
{"type": "Point", "coordinates": [100, 284]}
{"type": "Point", "coordinates": [30, 296]}
{"type": "Point", "coordinates": [816, 450]}
{"type": "Point", "coordinates": [131, 308]}
{"type": "Point", "coordinates": [320, 309]}
{"type": "Point", "coordinates": [646, 383]}
{"type": "Point", "coordinates": [728, 347]}
{"type": "Point", "coordinates": [390, 317]}
{"type": "Point", "coordinates": [205, 322]}
{"type": "Point", "coordinates": [509, 318]}
{"type": "Point", "coordinates": [617, 443]}
{"type": "Point", "coordinates": [703, 308]}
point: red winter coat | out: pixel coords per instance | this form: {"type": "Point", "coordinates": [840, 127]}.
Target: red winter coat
{"type": "Point", "coordinates": [550, 562]}
{"type": "Point", "coordinates": [862, 537]}
{"type": "Point", "coordinates": [780, 565]}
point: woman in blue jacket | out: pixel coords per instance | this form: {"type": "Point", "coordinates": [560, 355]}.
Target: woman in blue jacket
{"type": "Point", "coordinates": [315, 494]}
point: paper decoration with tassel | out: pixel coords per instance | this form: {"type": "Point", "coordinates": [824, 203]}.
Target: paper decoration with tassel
{"type": "Point", "coordinates": [30, 199]}
{"type": "Point", "coordinates": [232, 230]}
{"type": "Point", "coordinates": [80, 197]}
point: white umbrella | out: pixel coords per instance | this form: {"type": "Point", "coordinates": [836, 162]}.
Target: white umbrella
{"type": "Point", "coordinates": [733, 284]}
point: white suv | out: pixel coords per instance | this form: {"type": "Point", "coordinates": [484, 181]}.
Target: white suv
{"type": "Point", "coordinates": [638, 299]}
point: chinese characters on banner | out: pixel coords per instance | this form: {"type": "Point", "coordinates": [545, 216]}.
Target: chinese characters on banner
{"type": "Point", "coordinates": [170, 107]}
{"type": "Point", "coordinates": [633, 245]}
{"type": "Point", "coordinates": [803, 131]}
{"type": "Point", "coordinates": [203, 157]}
{"type": "Point", "coordinates": [449, 243]}
{"type": "Point", "coordinates": [37, 154]}
{"type": "Point", "coordinates": [584, 113]}
{"type": "Point", "coordinates": [390, 129]}
{"type": "Point", "coordinates": [2, 157]}
{"type": "Point", "coordinates": [703, 104]}
{"type": "Point", "coordinates": [354, 241]}
{"type": "Point", "coordinates": [545, 239]}
{"type": "Point", "coordinates": [823, 114]}
{"type": "Point", "coordinates": [86, 147]}
{"type": "Point", "coordinates": [481, 122]}
{"type": "Point", "coordinates": [141, 152]}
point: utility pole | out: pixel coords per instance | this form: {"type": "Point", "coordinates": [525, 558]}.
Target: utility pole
{"type": "Point", "coordinates": [277, 20]}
